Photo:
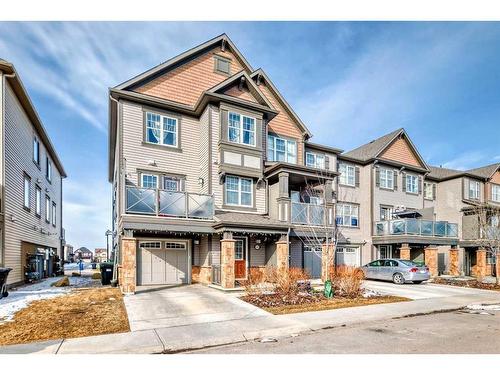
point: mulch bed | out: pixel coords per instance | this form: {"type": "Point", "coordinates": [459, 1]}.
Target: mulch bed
{"type": "Point", "coordinates": [467, 283]}
{"type": "Point", "coordinates": [277, 305]}
{"type": "Point", "coordinates": [85, 312]}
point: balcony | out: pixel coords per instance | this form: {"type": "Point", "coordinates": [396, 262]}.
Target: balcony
{"type": "Point", "coordinates": [416, 227]}
{"type": "Point", "coordinates": [164, 203]}
{"type": "Point", "coordinates": [308, 214]}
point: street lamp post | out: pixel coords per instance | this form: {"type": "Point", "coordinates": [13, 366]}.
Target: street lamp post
{"type": "Point", "coordinates": [108, 233]}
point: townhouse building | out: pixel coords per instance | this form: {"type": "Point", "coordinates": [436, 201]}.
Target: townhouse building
{"type": "Point", "coordinates": [31, 175]}
{"type": "Point", "coordinates": [214, 177]}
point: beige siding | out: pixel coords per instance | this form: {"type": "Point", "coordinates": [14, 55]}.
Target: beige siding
{"type": "Point", "coordinates": [203, 153]}
{"type": "Point", "coordinates": [257, 257]}
{"type": "Point", "coordinates": [449, 202]}
{"type": "Point", "coordinates": [19, 224]}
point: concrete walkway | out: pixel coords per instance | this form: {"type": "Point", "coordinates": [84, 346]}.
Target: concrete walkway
{"type": "Point", "coordinates": [194, 335]}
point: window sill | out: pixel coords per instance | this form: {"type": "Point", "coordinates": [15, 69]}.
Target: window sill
{"type": "Point", "coordinates": [238, 208]}
{"type": "Point", "coordinates": [429, 199]}
{"type": "Point", "coordinates": [386, 189]}
{"type": "Point", "coordinates": [162, 147]}
{"type": "Point", "coordinates": [37, 165]}
{"type": "Point", "coordinates": [410, 193]}
{"type": "Point", "coordinates": [348, 226]}
{"type": "Point", "coordinates": [27, 209]}
{"type": "Point", "coordinates": [349, 186]}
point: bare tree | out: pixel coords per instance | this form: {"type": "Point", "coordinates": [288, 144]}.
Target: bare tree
{"type": "Point", "coordinates": [488, 221]}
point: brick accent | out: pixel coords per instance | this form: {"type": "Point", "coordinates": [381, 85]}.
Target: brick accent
{"type": "Point", "coordinates": [227, 263]}
{"type": "Point", "coordinates": [404, 252]}
{"type": "Point", "coordinates": [454, 265]}
{"type": "Point", "coordinates": [479, 270]}
{"type": "Point", "coordinates": [282, 256]}
{"type": "Point", "coordinates": [128, 277]}
{"type": "Point", "coordinates": [327, 261]}
{"type": "Point", "coordinates": [201, 274]}
{"type": "Point", "coordinates": [431, 260]}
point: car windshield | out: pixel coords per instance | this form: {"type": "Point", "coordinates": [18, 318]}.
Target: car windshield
{"type": "Point", "coordinates": [409, 263]}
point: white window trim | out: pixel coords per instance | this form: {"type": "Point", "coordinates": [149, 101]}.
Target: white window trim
{"type": "Point", "coordinates": [48, 173]}
{"type": "Point", "coordinates": [431, 185]}
{"type": "Point", "coordinates": [287, 141]}
{"type": "Point", "coordinates": [162, 130]}
{"type": "Point", "coordinates": [241, 129]}
{"type": "Point", "coordinates": [47, 208]}
{"type": "Point", "coordinates": [345, 178]}
{"type": "Point", "coordinates": [408, 178]}
{"type": "Point", "coordinates": [36, 155]}
{"type": "Point", "coordinates": [54, 213]}
{"type": "Point", "coordinates": [239, 191]}
{"type": "Point", "coordinates": [315, 163]}
{"type": "Point", "coordinates": [386, 172]}
{"type": "Point", "coordinates": [474, 190]}
{"type": "Point", "coordinates": [149, 175]}
{"type": "Point", "coordinates": [27, 191]}
{"type": "Point", "coordinates": [497, 193]}
{"type": "Point", "coordinates": [38, 200]}
{"type": "Point", "coordinates": [351, 215]}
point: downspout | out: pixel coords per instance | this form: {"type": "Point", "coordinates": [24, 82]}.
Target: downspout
{"type": "Point", "coordinates": [114, 280]}
{"type": "Point", "coordinates": [2, 123]}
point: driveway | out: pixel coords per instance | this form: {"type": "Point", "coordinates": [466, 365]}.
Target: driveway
{"type": "Point", "coordinates": [185, 305]}
{"type": "Point", "coordinates": [425, 290]}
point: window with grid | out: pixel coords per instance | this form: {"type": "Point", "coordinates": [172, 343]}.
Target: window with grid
{"type": "Point", "coordinates": [347, 215]}
{"type": "Point", "coordinates": [347, 174]}
{"type": "Point", "coordinates": [239, 248]}
{"type": "Point", "coordinates": [280, 149]}
{"type": "Point", "coordinates": [241, 129]}
{"type": "Point", "coordinates": [149, 181]}
{"type": "Point", "coordinates": [238, 191]}
{"type": "Point", "coordinates": [411, 183]}
{"type": "Point", "coordinates": [495, 193]}
{"type": "Point", "coordinates": [161, 130]}
{"type": "Point", "coordinates": [171, 184]}
{"type": "Point", "coordinates": [386, 178]}
{"type": "Point", "coordinates": [315, 160]}
{"type": "Point", "coordinates": [473, 189]}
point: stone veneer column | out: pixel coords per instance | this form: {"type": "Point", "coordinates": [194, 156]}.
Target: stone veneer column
{"type": "Point", "coordinates": [404, 251]}
{"type": "Point", "coordinates": [327, 261]}
{"type": "Point", "coordinates": [480, 263]}
{"type": "Point", "coordinates": [454, 269]}
{"type": "Point", "coordinates": [227, 247]}
{"type": "Point", "coordinates": [282, 252]}
{"type": "Point", "coordinates": [431, 260]}
{"type": "Point", "coordinates": [128, 278]}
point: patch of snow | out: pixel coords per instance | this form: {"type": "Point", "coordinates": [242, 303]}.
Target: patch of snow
{"type": "Point", "coordinates": [367, 293]}
{"type": "Point", "coordinates": [484, 307]}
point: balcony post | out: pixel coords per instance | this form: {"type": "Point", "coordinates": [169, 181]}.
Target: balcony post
{"type": "Point", "coordinates": [157, 202]}
{"type": "Point", "coordinates": [186, 207]}
{"type": "Point", "coordinates": [227, 246]}
{"type": "Point", "coordinates": [282, 255]}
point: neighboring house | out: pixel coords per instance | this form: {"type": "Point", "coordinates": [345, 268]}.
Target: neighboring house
{"type": "Point", "coordinates": [209, 165]}
{"type": "Point", "coordinates": [84, 254]}
{"type": "Point", "coordinates": [31, 179]}
{"type": "Point", "coordinates": [100, 255]}
{"type": "Point", "coordinates": [68, 253]}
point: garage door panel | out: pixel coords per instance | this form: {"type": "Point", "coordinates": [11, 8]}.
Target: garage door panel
{"type": "Point", "coordinates": [158, 266]}
{"type": "Point", "coordinates": [347, 256]}
{"type": "Point", "coordinates": [162, 263]}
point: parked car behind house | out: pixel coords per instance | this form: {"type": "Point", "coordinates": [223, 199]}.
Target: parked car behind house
{"type": "Point", "coordinates": [397, 270]}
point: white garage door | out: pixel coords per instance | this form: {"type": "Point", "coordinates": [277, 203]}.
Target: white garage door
{"type": "Point", "coordinates": [347, 256]}
{"type": "Point", "coordinates": [162, 262]}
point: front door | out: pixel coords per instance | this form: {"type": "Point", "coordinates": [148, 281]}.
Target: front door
{"type": "Point", "coordinates": [385, 251]}
{"type": "Point", "coordinates": [240, 258]}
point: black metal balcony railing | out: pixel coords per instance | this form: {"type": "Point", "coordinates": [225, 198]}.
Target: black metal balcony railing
{"type": "Point", "coordinates": [307, 213]}
{"type": "Point", "coordinates": [168, 203]}
{"type": "Point", "coordinates": [416, 227]}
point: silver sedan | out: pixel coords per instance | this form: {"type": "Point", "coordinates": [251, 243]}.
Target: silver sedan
{"type": "Point", "coordinates": [397, 270]}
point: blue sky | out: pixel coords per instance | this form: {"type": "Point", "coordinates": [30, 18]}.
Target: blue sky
{"type": "Point", "coordinates": [349, 82]}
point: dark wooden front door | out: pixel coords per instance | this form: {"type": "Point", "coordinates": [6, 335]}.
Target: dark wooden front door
{"type": "Point", "coordinates": [240, 263]}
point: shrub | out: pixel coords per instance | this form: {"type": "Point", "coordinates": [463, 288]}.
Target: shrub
{"type": "Point", "coordinates": [96, 275]}
{"type": "Point", "coordinates": [347, 281]}
{"type": "Point", "coordinates": [75, 274]}
{"type": "Point", "coordinates": [61, 282]}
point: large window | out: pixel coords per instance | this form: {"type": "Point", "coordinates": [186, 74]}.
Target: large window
{"type": "Point", "coordinates": [47, 209]}
{"type": "Point", "coordinates": [280, 149]}
{"type": "Point", "coordinates": [38, 201]}
{"type": "Point", "coordinates": [495, 193]}
{"type": "Point", "coordinates": [347, 215]}
{"type": "Point", "coordinates": [347, 174]}
{"type": "Point", "coordinates": [238, 191]}
{"type": "Point", "coordinates": [171, 183]}
{"type": "Point", "coordinates": [36, 151]}
{"type": "Point", "coordinates": [161, 130]}
{"type": "Point", "coordinates": [54, 210]}
{"type": "Point", "coordinates": [386, 212]}
{"type": "Point", "coordinates": [48, 172]}
{"type": "Point", "coordinates": [241, 129]}
{"type": "Point", "coordinates": [386, 178]}
{"type": "Point", "coordinates": [412, 184]}
{"type": "Point", "coordinates": [473, 189]}
{"type": "Point", "coordinates": [149, 181]}
{"type": "Point", "coordinates": [27, 191]}
{"type": "Point", "coordinates": [315, 160]}
{"type": "Point", "coordinates": [429, 190]}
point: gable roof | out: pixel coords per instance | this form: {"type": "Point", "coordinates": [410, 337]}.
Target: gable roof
{"type": "Point", "coordinates": [260, 73]}
{"type": "Point", "coordinates": [172, 63]}
{"type": "Point", "coordinates": [23, 97]}
{"type": "Point", "coordinates": [440, 173]}
{"type": "Point", "coordinates": [372, 150]}
{"type": "Point", "coordinates": [485, 172]}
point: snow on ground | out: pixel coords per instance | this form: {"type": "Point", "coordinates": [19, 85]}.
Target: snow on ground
{"type": "Point", "coordinates": [484, 307]}
{"type": "Point", "coordinates": [20, 298]}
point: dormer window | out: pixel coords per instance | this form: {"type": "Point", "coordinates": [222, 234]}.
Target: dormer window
{"type": "Point", "coordinates": [222, 65]}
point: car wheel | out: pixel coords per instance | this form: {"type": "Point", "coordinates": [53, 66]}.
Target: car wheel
{"type": "Point", "coordinates": [418, 282]}
{"type": "Point", "coordinates": [397, 278]}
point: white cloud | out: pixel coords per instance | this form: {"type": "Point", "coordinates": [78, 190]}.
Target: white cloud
{"type": "Point", "coordinates": [468, 160]}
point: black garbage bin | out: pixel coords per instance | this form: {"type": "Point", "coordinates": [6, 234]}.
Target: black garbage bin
{"type": "Point", "coordinates": [4, 272]}
{"type": "Point", "coordinates": [106, 272]}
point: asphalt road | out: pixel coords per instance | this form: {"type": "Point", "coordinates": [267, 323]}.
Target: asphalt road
{"type": "Point", "coordinates": [452, 332]}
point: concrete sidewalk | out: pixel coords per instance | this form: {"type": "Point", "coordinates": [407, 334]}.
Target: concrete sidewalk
{"type": "Point", "coordinates": [200, 335]}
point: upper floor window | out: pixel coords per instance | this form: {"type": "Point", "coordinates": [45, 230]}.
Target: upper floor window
{"type": "Point", "coordinates": [281, 149]}
{"type": "Point", "coordinates": [47, 209]}
{"type": "Point", "coordinates": [241, 129]}
{"type": "Point", "coordinates": [149, 181]}
{"type": "Point", "coordinates": [161, 130]}
{"type": "Point", "coordinates": [386, 178]}
{"type": "Point", "coordinates": [386, 212]}
{"type": "Point", "coordinates": [54, 210]}
{"type": "Point", "coordinates": [412, 183]}
{"type": "Point", "coordinates": [315, 160]}
{"type": "Point", "coordinates": [171, 183]}
{"type": "Point", "coordinates": [48, 172]}
{"type": "Point", "coordinates": [495, 193]}
{"type": "Point", "coordinates": [429, 190]}
{"type": "Point", "coordinates": [222, 65]}
{"type": "Point", "coordinates": [38, 201]}
{"type": "Point", "coordinates": [347, 215]}
{"type": "Point", "coordinates": [347, 174]}
{"type": "Point", "coordinates": [36, 151]}
{"type": "Point", "coordinates": [238, 191]}
{"type": "Point", "coordinates": [27, 191]}
{"type": "Point", "coordinates": [473, 189]}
